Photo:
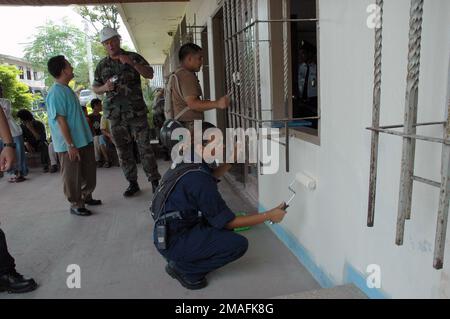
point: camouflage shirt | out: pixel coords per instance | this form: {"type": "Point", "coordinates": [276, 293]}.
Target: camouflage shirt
{"type": "Point", "coordinates": [127, 95]}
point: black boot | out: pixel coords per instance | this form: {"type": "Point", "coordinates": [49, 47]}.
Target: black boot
{"type": "Point", "coordinates": [192, 285]}
{"type": "Point", "coordinates": [15, 283]}
{"type": "Point", "coordinates": [132, 189]}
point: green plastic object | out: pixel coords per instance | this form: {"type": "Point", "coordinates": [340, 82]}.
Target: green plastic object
{"type": "Point", "coordinates": [241, 229]}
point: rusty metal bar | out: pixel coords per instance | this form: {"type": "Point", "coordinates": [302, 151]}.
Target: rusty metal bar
{"type": "Point", "coordinates": [258, 108]}
{"type": "Point", "coordinates": [427, 181]}
{"type": "Point", "coordinates": [228, 71]}
{"type": "Point", "coordinates": [411, 136]}
{"type": "Point", "coordinates": [285, 9]}
{"type": "Point", "coordinates": [269, 21]}
{"type": "Point", "coordinates": [375, 118]}
{"type": "Point", "coordinates": [416, 125]}
{"type": "Point", "coordinates": [409, 144]}
{"type": "Point", "coordinates": [444, 198]}
{"type": "Point", "coordinates": [241, 62]}
{"type": "Point", "coordinates": [278, 120]}
{"type": "Point", "coordinates": [236, 69]}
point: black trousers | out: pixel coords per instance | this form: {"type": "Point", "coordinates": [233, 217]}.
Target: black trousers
{"type": "Point", "coordinates": [42, 148]}
{"type": "Point", "coordinates": [6, 261]}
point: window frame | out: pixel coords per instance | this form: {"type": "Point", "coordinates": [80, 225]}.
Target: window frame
{"type": "Point", "coordinates": [306, 134]}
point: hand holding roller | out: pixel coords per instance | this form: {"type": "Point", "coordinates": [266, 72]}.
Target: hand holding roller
{"type": "Point", "coordinates": [302, 179]}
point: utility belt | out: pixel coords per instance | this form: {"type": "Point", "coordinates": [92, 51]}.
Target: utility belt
{"type": "Point", "coordinates": [162, 227]}
{"type": "Point", "coordinates": [170, 216]}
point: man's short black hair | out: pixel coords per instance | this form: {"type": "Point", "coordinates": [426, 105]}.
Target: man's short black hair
{"type": "Point", "coordinates": [188, 49]}
{"type": "Point", "coordinates": [25, 115]}
{"type": "Point", "coordinates": [56, 65]}
{"type": "Point", "coordinates": [95, 102]}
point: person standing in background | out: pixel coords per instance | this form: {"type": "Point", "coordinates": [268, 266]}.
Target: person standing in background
{"type": "Point", "coordinates": [119, 76]}
{"type": "Point", "coordinates": [20, 169]}
{"type": "Point", "coordinates": [72, 139]}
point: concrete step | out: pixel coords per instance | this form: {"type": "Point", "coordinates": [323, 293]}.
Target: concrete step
{"type": "Point", "coordinates": [340, 292]}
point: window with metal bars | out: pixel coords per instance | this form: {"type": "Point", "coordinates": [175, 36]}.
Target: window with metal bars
{"type": "Point", "coordinates": [304, 70]}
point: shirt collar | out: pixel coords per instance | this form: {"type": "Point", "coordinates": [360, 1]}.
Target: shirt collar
{"type": "Point", "coordinates": [122, 51]}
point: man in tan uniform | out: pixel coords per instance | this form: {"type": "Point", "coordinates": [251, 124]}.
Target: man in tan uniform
{"type": "Point", "coordinates": [187, 92]}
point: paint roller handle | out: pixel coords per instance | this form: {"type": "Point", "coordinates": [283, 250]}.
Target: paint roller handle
{"type": "Point", "coordinates": [277, 214]}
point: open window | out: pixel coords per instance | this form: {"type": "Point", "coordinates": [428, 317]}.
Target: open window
{"type": "Point", "coordinates": [299, 97]}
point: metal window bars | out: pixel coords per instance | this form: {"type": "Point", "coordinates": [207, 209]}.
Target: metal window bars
{"type": "Point", "coordinates": [410, 137]}
{"type": "Point", "coordinates": [243, 66]}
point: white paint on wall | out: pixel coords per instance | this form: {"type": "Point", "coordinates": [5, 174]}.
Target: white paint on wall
{"type": "Point", "coordinates": [331, 222]}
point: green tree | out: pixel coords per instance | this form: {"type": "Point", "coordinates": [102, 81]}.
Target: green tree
{"type": "Point", "coordinates": [52, 39]}
{"type": "Point", "coordinates": [14, 90]}
{"type": "Point", "coordinates": [100, 16]}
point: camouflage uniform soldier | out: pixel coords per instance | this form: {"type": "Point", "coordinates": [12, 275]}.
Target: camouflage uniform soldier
{"type": "Point", "coordinates": [119, 76]}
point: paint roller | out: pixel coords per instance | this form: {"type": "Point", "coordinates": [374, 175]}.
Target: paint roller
{"type": "Point", "coordinates": [302, 179]}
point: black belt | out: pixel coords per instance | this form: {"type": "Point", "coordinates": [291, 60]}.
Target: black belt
{"type": "Point", "coordinates": [171, 216]}
{"type": "Point", "coordinates": [175, 215]}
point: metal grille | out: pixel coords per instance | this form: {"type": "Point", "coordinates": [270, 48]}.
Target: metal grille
{"type": "Point", "coordinates": [410, 137]}
{"type": "Point", "coordinates": [158, 78]}
{"type": "Point", "coordinates": [243, 66]}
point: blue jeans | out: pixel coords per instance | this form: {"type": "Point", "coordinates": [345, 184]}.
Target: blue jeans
{"type": "Point", "coordinates": [20, 167]}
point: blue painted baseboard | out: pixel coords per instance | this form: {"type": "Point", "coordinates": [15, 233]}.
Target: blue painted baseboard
{"type": "Point", "coordinates": [351, 275]}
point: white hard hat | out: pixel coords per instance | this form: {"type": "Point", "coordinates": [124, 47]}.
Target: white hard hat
{"type": "Point", "coordinates": [108, 33]}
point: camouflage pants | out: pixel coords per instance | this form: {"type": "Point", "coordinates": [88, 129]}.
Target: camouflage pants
{"type": "Point", "coordinates": [125, 129]}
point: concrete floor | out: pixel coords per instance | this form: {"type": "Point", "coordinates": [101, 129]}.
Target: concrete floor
{"type": "Point", "coordinates": [114, 247]}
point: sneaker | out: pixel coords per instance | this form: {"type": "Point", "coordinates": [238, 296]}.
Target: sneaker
{"type": "Point", "coordinates": [45, 169]}
{"type": "Point", "coordinates": [132, 189]}
{"type": "Point", "coordinates": [107, 165]}
{"type": "Point", "coordinates": [54, 169]}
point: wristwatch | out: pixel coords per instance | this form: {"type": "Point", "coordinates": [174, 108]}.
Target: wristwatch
{"type": "Point", "coordinates": [12, 145]}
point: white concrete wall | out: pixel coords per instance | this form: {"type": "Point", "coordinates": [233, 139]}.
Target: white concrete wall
{"type": "Point", "coordinates": [331, 222]}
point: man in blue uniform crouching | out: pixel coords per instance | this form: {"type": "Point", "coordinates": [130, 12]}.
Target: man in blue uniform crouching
{"type": "Point", "coordinates": [194, 226]}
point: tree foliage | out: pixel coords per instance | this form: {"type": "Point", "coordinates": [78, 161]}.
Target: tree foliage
{"type": "Point", "coordinates": [100, 16]}
{"type": "Point", "coordinates": [14, 90]}
{"type": "Point", "coordinates": [52, 39]}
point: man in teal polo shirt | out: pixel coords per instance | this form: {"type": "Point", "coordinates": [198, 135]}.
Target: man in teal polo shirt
{"type": "Point", "coordinates": [72, 139]}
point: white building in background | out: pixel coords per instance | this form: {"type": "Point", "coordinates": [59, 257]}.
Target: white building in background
{"type": "Point", "coordinates": [30, 76]}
